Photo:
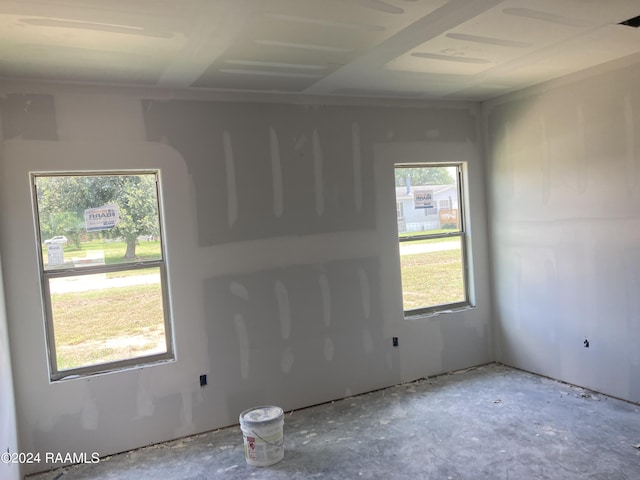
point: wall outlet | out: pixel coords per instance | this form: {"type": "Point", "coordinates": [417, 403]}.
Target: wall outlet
{"type": "Point", "coordinates": [203, 380]}
{"type": "Point", "coordinates": [395, 341]}
{"type": "Point", "coordinates": [586, 343]}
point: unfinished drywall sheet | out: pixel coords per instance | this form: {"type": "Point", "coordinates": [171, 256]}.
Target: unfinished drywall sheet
{"type": "Point", "coordinates": [8, 426]}
{"type": "Point", "coordinates": [565, 196]}
{"type": "Point", "coordinates": [290, 327]}
{"type": "Point", "coordinates": [265, 170]}
{"type": "Point", "coordinates": [324, 286]}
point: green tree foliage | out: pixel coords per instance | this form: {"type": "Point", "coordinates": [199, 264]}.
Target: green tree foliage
{"type": "Point", "coordinates": [62, 201]}
{"type": "Point", "coordinates": [424, 176]}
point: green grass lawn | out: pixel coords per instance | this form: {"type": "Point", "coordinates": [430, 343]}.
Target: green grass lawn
{"type": "Point", "coordinates": [432, 278]}
{"type": "Point", "coordinates": [98, 326]}
{"type": "Point", "coordinates": [114, 251]}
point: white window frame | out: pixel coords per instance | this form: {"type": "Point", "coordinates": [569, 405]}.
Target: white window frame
{"type": "Point", "coordinates": [461, 234]}
{"type": "Point", "coordinates": [47, 275]}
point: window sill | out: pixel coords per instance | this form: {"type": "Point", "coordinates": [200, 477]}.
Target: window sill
{"type": "Point", "coordinates": [116, 367]}
{"type": "Point", "coordinates": [420, 316]}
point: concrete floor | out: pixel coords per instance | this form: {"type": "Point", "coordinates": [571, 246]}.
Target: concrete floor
{"type": "Point", "coordinates": [490, 422]}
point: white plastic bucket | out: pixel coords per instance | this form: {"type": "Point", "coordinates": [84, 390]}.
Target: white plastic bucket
{"type": "Point", "coordinates": [262, 431]}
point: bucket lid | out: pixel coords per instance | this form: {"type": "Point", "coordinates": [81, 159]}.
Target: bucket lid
{"type": "Point", "coordinates": [262, 414]}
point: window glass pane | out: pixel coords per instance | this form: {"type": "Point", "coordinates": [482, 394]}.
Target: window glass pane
{"type": "Point", "coordinates": [116, 313]}
{"type": "Point", "coordinates": [427, 200]}
{"type": "Point", "coordinates": [88, 220]}
{"type": "Point", "coordinates": [432, 272]}
{"type": "Point", "coordinates": [106, 317]}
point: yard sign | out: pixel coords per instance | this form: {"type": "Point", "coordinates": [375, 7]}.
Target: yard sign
{"type": "Point", "coordinates": [101, 218]}
{"type": "Point", "coordinates": [423, 198]}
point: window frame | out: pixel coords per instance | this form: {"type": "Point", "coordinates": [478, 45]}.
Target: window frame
{"type": "Point", "coordinates": [461, 233]}
{"type": "Point", "coordinates": [45, 275]}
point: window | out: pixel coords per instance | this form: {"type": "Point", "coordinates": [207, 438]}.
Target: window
{"type": "Point", "coordinates": [103, 271]}
{"type": "Point", "coordinates": [432, 238]}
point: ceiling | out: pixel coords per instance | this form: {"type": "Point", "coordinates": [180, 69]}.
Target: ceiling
{"type": "Point", "coordinates": [422, 49]}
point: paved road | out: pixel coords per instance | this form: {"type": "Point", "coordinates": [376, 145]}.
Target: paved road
{"type": "Point", "coordinates": [100, 281]}
{"type": "Point", "coordinates": [428, 247]}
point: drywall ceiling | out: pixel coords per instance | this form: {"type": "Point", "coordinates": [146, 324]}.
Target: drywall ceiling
{"type": "Point", "coordinates": [455, 49]}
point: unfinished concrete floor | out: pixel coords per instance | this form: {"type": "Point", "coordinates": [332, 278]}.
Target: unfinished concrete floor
{"type": "Point", "coordinates": [490, 422]}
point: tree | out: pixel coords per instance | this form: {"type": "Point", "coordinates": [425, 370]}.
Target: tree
{"type": "Point", "coordinates": [424, 176]}
{"type": "Point", "coordinates": [138, 211]}
{"type": "Point", "coordinates": [62, 201]}
{"type": "Point", "coordinates": [54, 217]}
{"type": "Point", "coordinates": [68, 223]}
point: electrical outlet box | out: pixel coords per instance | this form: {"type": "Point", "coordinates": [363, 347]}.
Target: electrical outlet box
{"type": "Point", "coordinates": [203, 380]}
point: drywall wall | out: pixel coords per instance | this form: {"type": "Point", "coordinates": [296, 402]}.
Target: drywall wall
{"type": "Point", "coordinates": [282, 253]}
{"type": "Point", "coordinates": [564, 170]}
{"type": "Point", "coordinates": [8, 428]}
